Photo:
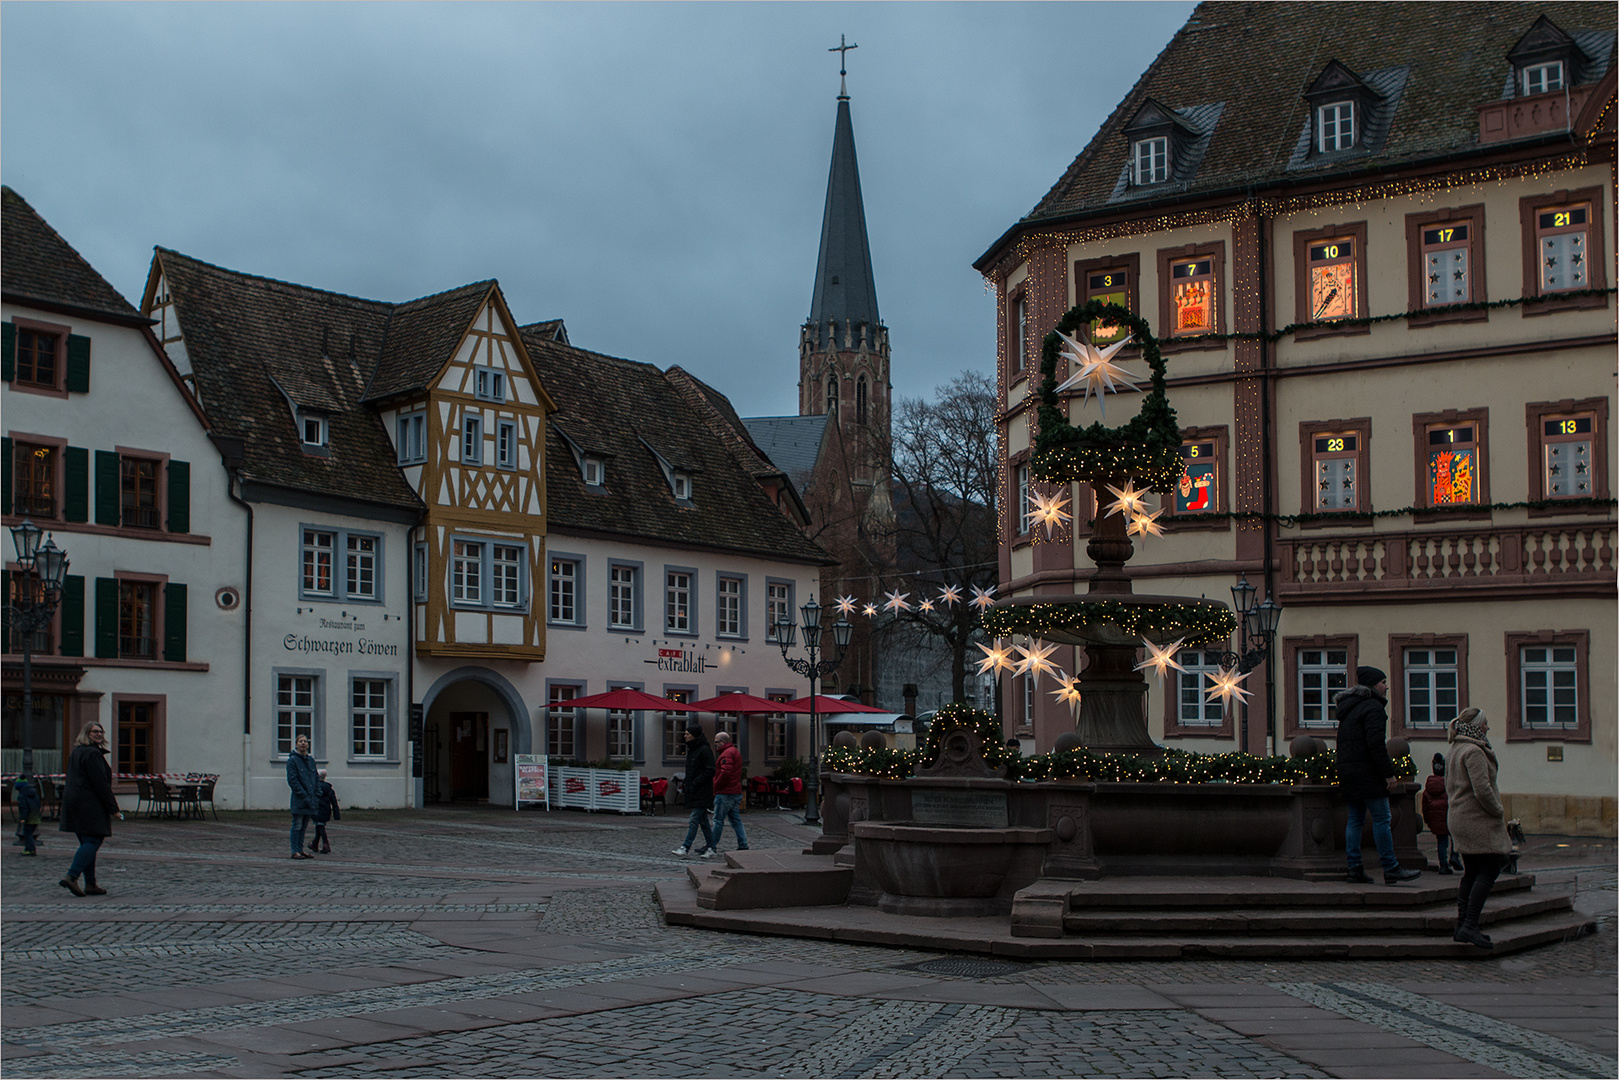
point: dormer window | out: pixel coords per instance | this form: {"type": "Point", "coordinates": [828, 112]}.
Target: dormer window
{"type": "Point", "coordinates": [594, 472]}
{"type": "Point", "coordinates": [313, 431]}
{"type": "Point", "coordinates": [1335, 123]}
{"type": "Point", "coordinates": [682, 486]}
{"type": "Point", "coordinates": [489, 385]}
{"type": "Point", "coordinates": [1151, 161]}
{"type": "Point", "coordinates": [1543, 78]}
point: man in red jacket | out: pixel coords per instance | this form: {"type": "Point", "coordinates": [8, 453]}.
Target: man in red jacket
{"type": "Point", "coordinates": [728, 792]}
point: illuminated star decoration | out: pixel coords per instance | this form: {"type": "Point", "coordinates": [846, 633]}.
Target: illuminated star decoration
{"type": "Point", "coordinates": [925, 605]}
{"type": "Point", "coordinates": [949, 594]}
{"type": "Point", "coordinates": [1047, 510]}
{"type": "Point", "coordinates": [1162, 658]}
{"type": "Point", "coordinates": [846, 605]}
{"type": "Point", "coordinates": [1130, 501]}
{"type": "Point", "coordinates": [1068, 691]}
{"type": "Point", "coordinates": [1036, 659]}
{"type": "Point", "coordinates": [869, 610]}
{"type": "Point", "coordinates": [1144, 523]}
{"type": "Point", "coordinates": [1098, 374]}
{"type": "Point", "coordinates": [897, 601]}
{"type": "Point", "coordinates": [995, 658]}
{"type": "Point", "coordinates": [1226, 685]}
{"type": "Point", "coordinates": [983, 598]}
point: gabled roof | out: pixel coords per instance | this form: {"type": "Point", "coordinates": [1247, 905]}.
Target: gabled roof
{"type": "Point", "coordinates": [792, 442]}
{"type": "Point", "coordinates": [635, 409]}
{"type": "Point", "coordinates": [41, 266]}
{"type": "Point", "coordinates": [254, 342]}
{"type": "Point", "coordinates": [1433, 65]}
{"type": "Point", "coordinates": [422, 336]}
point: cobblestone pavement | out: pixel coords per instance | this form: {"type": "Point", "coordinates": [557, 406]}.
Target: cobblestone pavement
{"type": "Point", "coordinates": [475, 942]}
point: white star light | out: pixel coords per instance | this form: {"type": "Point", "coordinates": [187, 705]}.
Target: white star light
{"type": "Point", "coordinates": [1098, 374]}
{"type": "Point", "coordinates": [1035, 659]}
{"type": "Point", "coordinates": [1226, 685]}
{"type": "Point", "coordinates": [996, 658]}
{"type": "Point", "coordinates": [869, 610]}
{"type": "Point", "coordinates": [1129, 501]}
{"type": "Point", "coordinates": [950, 594]}
{"type": "Point", "coordinates": [897, 601]}
{"type": "Point", "coordinates": [1144, 523]}
{"type": "Point", "coordinates": [983, 598]}
{"type": "Point", "coordinates": [925, 605]}
{"type": "Point", "coordinates": [846, 605]}
{"type": "Point", "coordinates": [1161, 660]}
{"type": "Point", "coordinates": [1047, 510]}
{"type": "Point", "coordinates": [1068, 691]}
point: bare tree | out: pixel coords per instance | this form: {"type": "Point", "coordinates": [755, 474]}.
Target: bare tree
{"type": "Point", "coordinates": [944, 521]}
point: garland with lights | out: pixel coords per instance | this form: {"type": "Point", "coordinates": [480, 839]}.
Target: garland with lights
{"type": "Point", "coordinates": [1288, 521]}
{"type": "Point", "coordinates": [981, 722]}
{"type": "Point", "coordinates": [1148, 447]}
{"type": "Point", "coordinates": [1199, 623]}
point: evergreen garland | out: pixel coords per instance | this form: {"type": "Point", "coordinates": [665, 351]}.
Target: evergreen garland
{"type": "Point", "coordinates": [1200, 623]}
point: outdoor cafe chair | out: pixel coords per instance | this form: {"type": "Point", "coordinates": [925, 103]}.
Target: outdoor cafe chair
{"type": "Point", "coordinates": [654, 793]}
{"type": "Point", "coordinates": [205, 794]}
{"type": "Point", "coordinates": [162, 800]}
{"type": "Point", "coordinates": [143, 795]}
{"type": "Point", "coordinates": [760, 793]}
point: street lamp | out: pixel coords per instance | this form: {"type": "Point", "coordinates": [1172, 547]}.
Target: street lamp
{"type": "Point", "coordinates": [35, 594]}
{"type": "Point", "coordinates": [813, 668]}
{"type": "Point", "coordinates": [1256, 633]}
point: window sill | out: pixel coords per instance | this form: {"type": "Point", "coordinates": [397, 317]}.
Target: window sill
{"type": "Point", "coordinates": [322, 598]}
{"type": "Point", "coordinates": [1581, 734]}
{"type": "Point", "coordinates": [391, 762]}
{"type": "Point", "coordinates": [1554, 304]}
{"type": "Point", "coordinates": [98, 661]}
{"type": "Point", "coordinates": [1350, 330]}
{"type": "Point", "coordinates": [156, 536]}
{"type": "Point", "coordinates": [1444, 318]}
{"type": "Point", "coordinates": [1348, 518]}
{"type": "Point", "coordinates": [567, 626]}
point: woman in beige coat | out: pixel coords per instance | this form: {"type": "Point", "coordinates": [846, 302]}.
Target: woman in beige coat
{"type": "Point", "coordinates": [1477, 820]}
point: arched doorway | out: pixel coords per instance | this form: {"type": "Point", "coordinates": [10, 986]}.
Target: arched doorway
{"type": "Point", "coordinates": [475, 722]}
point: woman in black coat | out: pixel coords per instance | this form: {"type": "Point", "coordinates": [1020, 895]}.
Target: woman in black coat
{"type": "Point", "coordinates": [88, 807]}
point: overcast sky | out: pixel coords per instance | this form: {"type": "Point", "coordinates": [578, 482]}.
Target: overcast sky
{"type": "Point", "coordinates": [654, 174]}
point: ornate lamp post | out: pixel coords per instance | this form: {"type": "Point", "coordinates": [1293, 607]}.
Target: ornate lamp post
{"type": "Point", "coordinates": [33, 604]}
{"type": "Point", "coordinates": [1256, 633]}
{"type": "Point", "coordinates": [813, 668]}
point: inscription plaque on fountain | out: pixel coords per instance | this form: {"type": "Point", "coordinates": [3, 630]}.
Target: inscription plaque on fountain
{"type": "Point", "coordinates": [980, 809]}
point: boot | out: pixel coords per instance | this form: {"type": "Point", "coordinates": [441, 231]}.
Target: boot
{"type": "Point", "coordinates": [1456, 861]}
{"type": "Point", "coordinates": [1468, 932]}
{"type": "Point", "coordinates": [71, 884]}
{"type": "Point", "coordinates": [326, 849]}
{"type": "Point", "coordinates": [1461, 921]}
{"type": "Point", "coordinates": [92, 889]}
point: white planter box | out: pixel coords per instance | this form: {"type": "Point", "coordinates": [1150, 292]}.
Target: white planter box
{"type": "Point", "coordinates": [597, 789]}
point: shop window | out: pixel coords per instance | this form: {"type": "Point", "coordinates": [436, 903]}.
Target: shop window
{"type": "Point", "coordinates": [1336, 455]}
{"type": "Point", "coordinates": [1549, 686]}
{"type": "Point", "coordinates": [1330, 279]}
{"type": "Point", "coordinates": [1563, 250]}
{"type": "Point", "coordinates": [1453, 458]}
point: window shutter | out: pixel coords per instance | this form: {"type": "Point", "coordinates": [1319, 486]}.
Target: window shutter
{"type": "Point", "coordinates": [8, 354]}
{"type": "Point", "coordinates": [174, 622]}
{"type": "Point", "coordinates": [107, 507]}
{"type": "Point", "coordinates": [73, 615]}
{"type": "Point", "coordinates": [78, 364]}
{"type": "Point", "coordinates": [5, 473]}
{"type": "Point", "coordinates": [179, 496]}
{"type": "Point", "coordinates": [76, 492]}
{"type": "Point", "coordinates": [107, 618]}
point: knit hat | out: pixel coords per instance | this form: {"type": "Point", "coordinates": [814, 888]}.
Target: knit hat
{"type": "Point", "coordinates": [695, 729]}
{"type": "Point", "coordinates": [1439, 764]}
{"type": "Point", "coordinates": [1468, 726]}
{"type": "Point", "coordinates": [1369, 676]}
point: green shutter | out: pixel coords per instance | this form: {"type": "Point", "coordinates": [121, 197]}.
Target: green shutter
{"type": "Point", "coordinates": [179, 496]}
{"type": "Point", "coordinates": [78, 364]}
{"type": "Point", "coordinates": [76, 492]}
{"type": "Point", "coordinates": [174, 622]}
{"type": "Point", "coordinates": [107, 505]}
{"type": "Point", "coordinates": [5, 473]}
{"type": "Point", "coordinates": [73, 615]}
{"type": "Point", "coordinates": [107, 618]}
{"type": "Point", "coordinates": [8, 351]}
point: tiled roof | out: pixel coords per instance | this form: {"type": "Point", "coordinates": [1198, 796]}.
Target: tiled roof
{"type": "Point", "coordinates": [792, 442]}
{"type": "Point", "coordinates": [421, 336]}
{"type": "Point", "coordinates": [251, 340]}
{"type": "Point", "coordinates": [35, 262]}
{"type": "Point", "coordinates": [716, 410]}
{"type": "Point", "coordinates": [1435, 64]}
{"type": "Point", "coordinates": [609, 405]}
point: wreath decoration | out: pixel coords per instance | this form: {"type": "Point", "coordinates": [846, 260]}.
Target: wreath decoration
{"type": "Point", "coordinates": [986, 725]}
{"type": "Point", "coordinates": [1148, 447]}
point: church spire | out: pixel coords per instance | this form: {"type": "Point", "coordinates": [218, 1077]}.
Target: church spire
{"type": "Point", "coordinates": [845, 291]}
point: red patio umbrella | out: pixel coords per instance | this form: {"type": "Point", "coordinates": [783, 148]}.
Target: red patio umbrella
{"type": "Point", "coordinates": [746, 703]}
{"type": "Point", "coordinates": [826, 706]}
{"type": "Point", "coordinates": [624, 698]}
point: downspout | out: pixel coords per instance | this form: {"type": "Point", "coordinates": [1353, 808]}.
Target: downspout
{"type": "Point", "coordinates": [230, 453]}
{"type": "Point", "coordinates": [410, 667]}
{"type": "Point", "coordinates": [1267, 386]}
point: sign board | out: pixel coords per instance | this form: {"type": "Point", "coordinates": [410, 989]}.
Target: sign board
{"type": "Point", "coordinates": [532, 779]}
{"type": "Point", "coordinates": [983, 809]}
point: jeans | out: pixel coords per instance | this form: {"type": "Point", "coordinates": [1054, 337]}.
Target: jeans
{"type": "Point", "coordinates": [84, 860]}
{"type": "Point", "coordinates": [698, 820]}
{"type": "Point", "coordinates": [1382, 835]}
{"type": "Point", "coordinates": [320, 839]}
{"type": "Point", "coordinates": [300, 825]}
{"type": "Point", "coordinates": [1444, 851]}
{"type": "Point", "coordinates": [728, 808]}
{"type": "Point", "coordinates": [28, 834]}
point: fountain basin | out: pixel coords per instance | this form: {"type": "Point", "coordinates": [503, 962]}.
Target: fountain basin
{"type": "Point", "coordinates": [912, 868]}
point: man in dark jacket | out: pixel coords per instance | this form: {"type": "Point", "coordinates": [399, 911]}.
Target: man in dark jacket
{"type": "Point", "coordinates": [1366, 773]}
{"type": "Point", "coordinates": [699, 790]}
{"type": "Point", "coordinates": [304, 780]}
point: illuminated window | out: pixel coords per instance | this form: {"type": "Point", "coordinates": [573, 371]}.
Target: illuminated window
{"type": "Point", "coordinates": [1331, 275]}
{"type": "Point", "coordinates": [1336, 467]}
{"type": "Point", "coordinates": [1336, 125]}
{"type": "Point", "coordinates": [1453, 465]}
{"type": "Point", "coordinates": [34, 469]}
{"type": "Point", "coordinates": [1151, 160]}
{"type": "Point", "coordinates": [1198, 491]}
{"type": "Point", "coordinates": [317, 563]}
{"type": "Point", "coordinates": [1562, 246]}
{"type": "Point", "coordinates": [1567, 465]}
{"type": "Point", "coordinates": [1193, 290]}
{"type": "Point", "coordinates": [1111, 286]}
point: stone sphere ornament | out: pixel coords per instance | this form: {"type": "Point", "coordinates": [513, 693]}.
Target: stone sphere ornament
{"type": "Point", "coordinates": [873, 740]}
{"type": "Point", "coordinates": [1067, 741]}
{"type": "Point", "coordinates": [845, 739]}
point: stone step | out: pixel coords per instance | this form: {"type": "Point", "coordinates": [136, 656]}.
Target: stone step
{"type": "Point", "coordinates": [770, 879]}
{"type": "Point", "coordinates": [1433, 919]}
{"type": "Point", "coordinates": [1134, 893]}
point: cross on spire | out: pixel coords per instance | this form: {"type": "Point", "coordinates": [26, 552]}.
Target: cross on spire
{"type": "Point", "coordinates": [842, 49]}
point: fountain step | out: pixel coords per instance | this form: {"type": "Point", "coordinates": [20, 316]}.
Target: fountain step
{"type": "Point", "coordinates": [1273, 921]}
{"type": "Point", "coordinates": [770, 879]}
{"type": "Point", "coordinates": [1134, 893]}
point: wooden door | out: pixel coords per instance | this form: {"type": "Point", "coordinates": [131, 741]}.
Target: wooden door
{"type": "Point", "coordinates": [469, 755]}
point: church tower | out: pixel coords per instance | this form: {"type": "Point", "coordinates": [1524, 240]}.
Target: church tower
{"type": "Point", "coordinates": [843, 346]}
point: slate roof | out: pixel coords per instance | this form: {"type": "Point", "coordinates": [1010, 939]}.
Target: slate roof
{"type": "Point", "coordinates": [37, 264]}
{"type": "Point", "coordinates": [1442, 61]}
{"type": "Point", "coordinates": [845, 290]}
{"type": "Point", "coordinates": [792, 442]}
{"type": "Point", "coordinates": [252, 340]}
{"type": "Point", "coordinates": [618, 409]}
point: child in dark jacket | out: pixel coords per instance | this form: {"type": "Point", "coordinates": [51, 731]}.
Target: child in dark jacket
{"type": "Point", "coordinates": [1435, 808]}
{"type": "Point", "coordinates": [28, 807]}
{"type": "Point", "coordinates": [328, 811]}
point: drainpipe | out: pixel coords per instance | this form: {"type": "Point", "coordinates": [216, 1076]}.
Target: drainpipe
{"type": "Point", "coordinates": [410, 665]}
{"type": "Point", "coordinates": [230, 454]}
{"type": "Point", "coordinates": [1267, 386]}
